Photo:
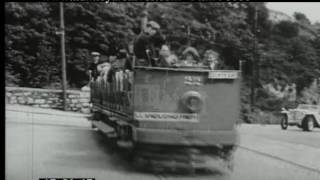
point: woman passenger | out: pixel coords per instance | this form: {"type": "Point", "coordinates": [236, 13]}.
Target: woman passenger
{"type": "Point", "coordinates": [167, 58]}
{"type": "Point", "coordinates": [211, 59]}
{"type": "Point", "coordinates": [190, 57]}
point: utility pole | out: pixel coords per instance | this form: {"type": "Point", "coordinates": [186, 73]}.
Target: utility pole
{"type": "Point", "coordinates": [257, 47]}
{"type": "Point", "coordinates": [144, 17]}
{"type": "Point", "coordinates": [255, 72]}
{"type": "Point", "coordinates": [63, 58]}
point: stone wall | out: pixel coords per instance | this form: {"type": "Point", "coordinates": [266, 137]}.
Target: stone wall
{"type": "Point", "coordinates": [77, 101]}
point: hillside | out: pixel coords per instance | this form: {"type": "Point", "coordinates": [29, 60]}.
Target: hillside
{"type": "Point", "coordinates": [288, 52]}
{"type": "Point", "coordinates": [277, 16]}
{"type": "Point", "coordinates": [305, 27]}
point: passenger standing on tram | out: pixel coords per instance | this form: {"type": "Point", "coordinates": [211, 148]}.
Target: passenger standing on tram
{"type": "Point", "coordinates": [93, 73]}
{"type": "Point", "coordinates": [130, 57]}
{"type": "Point", "coordinates": [148, 44]}
{"type": "Point", "coordinates": [93, 67]}
{"type": "Point", "coordinates": [121, 58]}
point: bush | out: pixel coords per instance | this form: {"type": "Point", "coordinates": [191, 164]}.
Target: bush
{"type": "Point", "coordinates": [264, 117]}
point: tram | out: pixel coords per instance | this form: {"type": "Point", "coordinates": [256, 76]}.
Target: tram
{"type": "Point", "coordinates": [177, 117]}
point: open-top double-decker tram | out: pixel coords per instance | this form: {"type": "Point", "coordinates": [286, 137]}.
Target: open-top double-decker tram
{"type": "Point", "coordinates": [177, 117]}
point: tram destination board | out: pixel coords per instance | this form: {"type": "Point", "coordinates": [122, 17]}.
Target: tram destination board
{"type": "Point", "coordinates": [223, 75]}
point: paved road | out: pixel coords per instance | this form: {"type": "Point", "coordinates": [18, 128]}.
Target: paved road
{"type": "Point", "coordinates": [39, 144]}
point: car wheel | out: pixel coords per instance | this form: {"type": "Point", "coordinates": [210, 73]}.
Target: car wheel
{"type": "Point", "coordinates": [284, 122]}
{"type": "Point", "coordinates": [308, 123]}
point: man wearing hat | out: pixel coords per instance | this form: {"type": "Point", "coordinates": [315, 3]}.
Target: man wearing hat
{"type": "Point", "coordinates": [93, 67]}
{"type": "Point", "coordinates": [147, 44]}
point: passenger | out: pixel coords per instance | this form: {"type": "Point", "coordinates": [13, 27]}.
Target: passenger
{"type": "Point", "coordinates": [93, 67]}
{"type": "Point", "coordinates": [121, 59]}
{"type": "Point", "coordinates": [211, 59]}
{"type": "Point", "coordinates": [147, 44]}
{"type": "Point", "coordinates": [190, 57]}
{"type": "Point", "coordinates": [130, 57]}
{"type": "Point", "coordinates": [112, 59]}
{"type": "Point", "coordinates": [118, 63]}
{"type": "Point", "coordinates": [103, 65]}
{"type": "Point", "coordinates": [167, 59]}
{"type": "Point", "coordinates": [101, 68]}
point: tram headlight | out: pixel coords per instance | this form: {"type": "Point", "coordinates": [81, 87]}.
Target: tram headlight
{"type": "Point", "coordinates": [192, 101]}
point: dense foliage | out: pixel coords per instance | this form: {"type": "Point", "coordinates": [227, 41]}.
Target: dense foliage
{"type": "Point", "coordinates": [32, 47]}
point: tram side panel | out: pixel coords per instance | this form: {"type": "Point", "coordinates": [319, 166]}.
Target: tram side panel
{"type": "Point", "coordinates": [186, 107]}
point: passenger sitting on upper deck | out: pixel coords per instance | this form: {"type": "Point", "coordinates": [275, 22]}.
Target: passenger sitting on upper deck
{"type": "Point", "coordinates": [167, 58]}
{"type": "Point", "coordinates": [211, 59]}
{"type": "Point", "coordinates": [190, 57]}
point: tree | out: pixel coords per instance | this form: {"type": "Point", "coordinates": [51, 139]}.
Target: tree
{"type": "Point", "coordinates": [286, 29]}
{"type": "Point", "coordinates": [300, 17]}
{"type": "Point", "coordinates": [32, 48]}
{"type": "Point", "coordinates": [29, 43]}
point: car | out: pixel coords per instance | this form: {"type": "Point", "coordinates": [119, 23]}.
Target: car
{"type": "Point", "coordinates": [305, 116]}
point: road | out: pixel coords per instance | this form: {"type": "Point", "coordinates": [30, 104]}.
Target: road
{"type": "Point", "coordinates": [47, 143]}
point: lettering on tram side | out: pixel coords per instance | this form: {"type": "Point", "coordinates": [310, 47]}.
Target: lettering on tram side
{"type": "Point", "coordinates": [193, 80]}
{"type": "Point", "coordinates": [157, 116]}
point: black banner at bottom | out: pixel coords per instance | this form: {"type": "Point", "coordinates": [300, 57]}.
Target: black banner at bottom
{"type": "Point", "coordinates": [66, 178]}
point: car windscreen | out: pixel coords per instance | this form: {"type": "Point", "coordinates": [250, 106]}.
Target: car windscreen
{"type": "Point", "coordinates": [309, 107]}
